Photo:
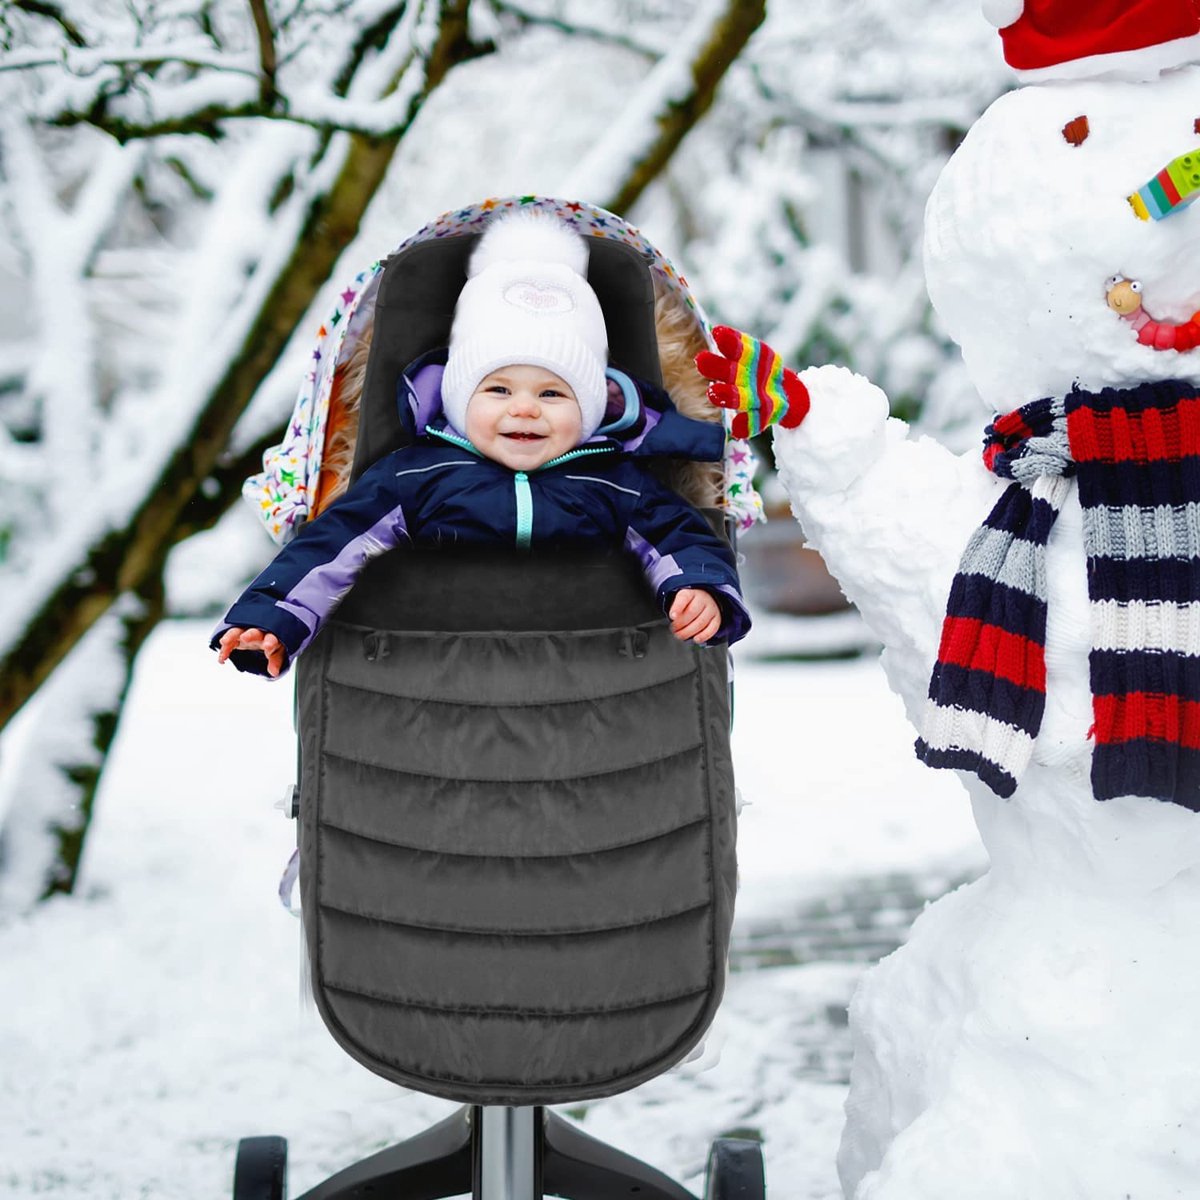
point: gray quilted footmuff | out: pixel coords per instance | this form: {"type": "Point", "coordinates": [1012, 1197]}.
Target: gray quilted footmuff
{"type": "Point", "coordinates": [517, 846]}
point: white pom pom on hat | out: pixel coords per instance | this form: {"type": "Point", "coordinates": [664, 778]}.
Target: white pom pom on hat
{"type": "Point", "coordinates": [527, 301]}
{"type": "Point", "coordinates": [1002, 13]}
{"type": "Point", "coordinates": [529, 237]}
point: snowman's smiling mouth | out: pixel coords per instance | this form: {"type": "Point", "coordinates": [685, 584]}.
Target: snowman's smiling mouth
{"type": "Point", "coordinates": [1125, 299]}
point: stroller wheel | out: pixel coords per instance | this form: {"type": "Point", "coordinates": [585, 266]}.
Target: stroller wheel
{"type": "Point", "coordinates": [735, 1171]}
{"type": "Point", "coordinates": [261, 1169]}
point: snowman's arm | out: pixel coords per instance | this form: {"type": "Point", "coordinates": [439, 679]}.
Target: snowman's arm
{"type": "Point", "coordinates": [890, 515]}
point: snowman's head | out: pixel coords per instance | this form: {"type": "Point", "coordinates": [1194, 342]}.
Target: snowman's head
{"type": "Point", "coordinates": [1039, 265]}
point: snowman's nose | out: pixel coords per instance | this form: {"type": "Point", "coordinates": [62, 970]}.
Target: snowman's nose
{"type": "Point", "coordinates": [1173, 188]}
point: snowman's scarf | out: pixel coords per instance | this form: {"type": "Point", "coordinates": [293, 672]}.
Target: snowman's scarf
{"type": "Point", "coordinates": [1136, 456]}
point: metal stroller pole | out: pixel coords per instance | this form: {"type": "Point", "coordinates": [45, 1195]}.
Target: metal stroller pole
{"type": "Point", "coordinates": [509, 1141]}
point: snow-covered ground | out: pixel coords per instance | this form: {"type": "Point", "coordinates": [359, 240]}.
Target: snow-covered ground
{"type": "Point", "coordinates": [151, 1022]}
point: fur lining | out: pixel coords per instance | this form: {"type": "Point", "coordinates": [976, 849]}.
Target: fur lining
{"type": "Point", "coordinates": [341, 428]}
{"type": "Point", "coordinates": [680, 339]}
{"type": "Point", "coordinates": [1137, 66]}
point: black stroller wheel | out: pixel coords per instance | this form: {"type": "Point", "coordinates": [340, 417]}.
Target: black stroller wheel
{"type": "Point", "coordinates": [735, 1171]}
{"type": "Point", "coordinates": [260, 1172]}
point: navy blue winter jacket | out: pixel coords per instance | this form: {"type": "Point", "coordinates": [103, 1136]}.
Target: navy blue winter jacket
{"type": "Point", "coordinates": [442, 491]}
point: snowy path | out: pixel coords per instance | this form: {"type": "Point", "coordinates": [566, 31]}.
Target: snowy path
{"type": "Point", "coordinates": [148, 1025]}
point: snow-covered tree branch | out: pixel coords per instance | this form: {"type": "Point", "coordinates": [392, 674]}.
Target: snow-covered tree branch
{"type": "Point", "coordinates": [175, 74]}
{"type": "Point", "coordinates": [678, 92]}
{"type": "Point", "coordinates": [575, 27]}
{"type": "Point", "coordinates": [801, 198]}
{"type": "Point", "coordinates": [178, 184]}
{"type": "Point", "coordinates": [282, 203]}
{"type": "Point", "coordinates": [284, 251]}
{"type": "Point", "coordinates": [267, 59]}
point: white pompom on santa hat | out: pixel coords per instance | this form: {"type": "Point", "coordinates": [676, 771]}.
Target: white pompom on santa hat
{"type": "Point", "coordinates": [1047, 40]}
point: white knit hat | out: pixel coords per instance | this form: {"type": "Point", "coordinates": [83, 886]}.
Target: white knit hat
{"type": "Point", "coordinates": [527, 301]}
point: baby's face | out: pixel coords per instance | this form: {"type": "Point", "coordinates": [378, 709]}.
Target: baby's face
{"type": "Point", "coordinates": [523, 416]}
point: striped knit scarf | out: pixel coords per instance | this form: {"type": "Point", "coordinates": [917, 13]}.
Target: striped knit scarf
{"type": "Point", "coordinates": [1136, 456]}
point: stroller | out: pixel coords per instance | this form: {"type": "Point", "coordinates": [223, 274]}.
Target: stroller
{"type": "Point", "coordinates": [516, 841]}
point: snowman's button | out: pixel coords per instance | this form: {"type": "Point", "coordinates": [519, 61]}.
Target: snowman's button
{"type": "Point", "coordinates": [1076, 131]}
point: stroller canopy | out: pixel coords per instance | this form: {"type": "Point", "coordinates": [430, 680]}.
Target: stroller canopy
{"type": "Point", "coordinates": [282, 493]}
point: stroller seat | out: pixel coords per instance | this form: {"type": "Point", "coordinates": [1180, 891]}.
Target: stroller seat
{"type": "Point", "coordinates": [517, 822]}
{"type": "Point", "coordinates": [517, 844]}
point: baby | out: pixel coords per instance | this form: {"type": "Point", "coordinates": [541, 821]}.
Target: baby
{"type": "Point", "coordinates": [515, 460]}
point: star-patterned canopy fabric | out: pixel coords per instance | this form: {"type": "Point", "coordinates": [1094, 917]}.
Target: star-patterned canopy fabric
{"type": "Point", "coordinates": [281, 493]}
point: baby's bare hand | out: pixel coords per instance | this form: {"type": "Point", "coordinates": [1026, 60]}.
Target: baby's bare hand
{"type": "Point", "coordinates": [695, 615]}
{"type": "Point", "coordinates": [253, 639]}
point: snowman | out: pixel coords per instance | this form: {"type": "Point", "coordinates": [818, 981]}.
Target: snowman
{"type": "Point", "coordinates": [1038, 1037]}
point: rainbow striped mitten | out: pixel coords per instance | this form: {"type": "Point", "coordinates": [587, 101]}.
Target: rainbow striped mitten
{"type": "Point", "coordinates": [749, 377]}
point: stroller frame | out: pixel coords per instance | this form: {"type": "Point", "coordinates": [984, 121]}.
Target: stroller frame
{"type": "Point", "coordinates": [498, 1151]}
{"type": "Point", "coordinates": [495, 1152]}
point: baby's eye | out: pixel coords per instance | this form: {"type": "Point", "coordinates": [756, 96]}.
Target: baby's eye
{"type": "Point", "coordinates": [498, 388]}
{"type": "Point", "coordinates": [552, 394]}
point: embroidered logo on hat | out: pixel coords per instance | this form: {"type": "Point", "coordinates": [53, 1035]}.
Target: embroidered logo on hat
{"type": "Point", "coordinates": [538, 297]}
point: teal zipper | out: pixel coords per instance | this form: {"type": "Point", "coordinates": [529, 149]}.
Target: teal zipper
{"type": "Point", "coordinates": [453, 439]}
{"type": "Point", "coordinates": [524, 510]}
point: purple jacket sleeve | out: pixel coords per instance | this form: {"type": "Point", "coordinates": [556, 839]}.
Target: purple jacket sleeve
{"type": "Point", "coordinates": [309, 577]}
{"type": "Point", "coordinates": [678, 549]}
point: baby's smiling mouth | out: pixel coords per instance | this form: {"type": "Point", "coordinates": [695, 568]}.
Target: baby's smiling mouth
{"type": "Point", "coordinates": [1124, 297]}
{"type": "Point", "coordinates": [519, 436]}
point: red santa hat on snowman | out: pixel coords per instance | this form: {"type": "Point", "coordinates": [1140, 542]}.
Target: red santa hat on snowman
{"type": "Point", "coordinates": [1046, 40]}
